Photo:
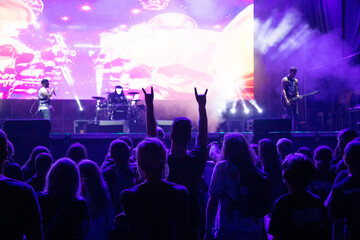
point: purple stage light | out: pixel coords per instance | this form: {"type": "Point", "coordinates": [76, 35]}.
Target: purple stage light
{"type": "Point", "coordinates": [135, 11]}
{"type": "Point", "coordinates": [65, 18]}
{"type": "Point", "coordinates": [86, 8]}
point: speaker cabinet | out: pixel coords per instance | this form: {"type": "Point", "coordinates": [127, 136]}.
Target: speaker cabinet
{"type": "Point", "coordinates": [273, 129]}
{"type": "Point", "coordinates": [113, 126]}
{"type": "Point", "coordinates": [268, 125]}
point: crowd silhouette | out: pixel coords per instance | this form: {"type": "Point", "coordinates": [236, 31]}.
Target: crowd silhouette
{"type": "Point", "coordinates": [228, 191]}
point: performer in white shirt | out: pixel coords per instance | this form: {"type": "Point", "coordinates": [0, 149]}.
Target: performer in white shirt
{"type": "Point", "coordinates": [44, 99]}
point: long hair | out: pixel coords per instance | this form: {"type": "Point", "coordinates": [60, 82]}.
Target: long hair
{"type": "Point", "coordinates": [237, 150]}
{"type": "Point", "coordinates": [63, 180]}
{"type": "Point", "coordinates": [30, 163]}
{"type": "Point", "coordinates": [270, 158]}
{"type": "Point", "coordinates": [94, 188]}
{"type": "Point", "coordinates": [120, 152]}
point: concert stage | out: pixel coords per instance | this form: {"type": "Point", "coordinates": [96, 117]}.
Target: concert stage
{"type": "Point", "coordinates": [240, 53]}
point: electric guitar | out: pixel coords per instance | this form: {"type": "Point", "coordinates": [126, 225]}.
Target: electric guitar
{"type": "Point", "coordinates": [295, 99]}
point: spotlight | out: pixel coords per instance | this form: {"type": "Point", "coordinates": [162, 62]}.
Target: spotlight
{"type": "Point", "coordinates": [85, 8]}
{"type": "Point", "coordinates": [135, 11]}
{"type": "Point", "coordinates": [65, 18]}
{"type": "Point", "coordinates": [233, 110]}
{"type": "Point", "coordinates": [260, 110]}
{"type": "Point", "coordinates": [246, 111]}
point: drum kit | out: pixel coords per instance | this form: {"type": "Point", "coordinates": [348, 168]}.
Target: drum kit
{"type": "Point", "coordinates": [129, 110]}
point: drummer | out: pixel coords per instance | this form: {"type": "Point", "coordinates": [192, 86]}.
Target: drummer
{"type": "Point", "coordinates": [117, 97]}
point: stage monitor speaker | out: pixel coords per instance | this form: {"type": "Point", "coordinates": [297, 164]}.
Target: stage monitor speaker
{"type": "Point", "coordinates": [165, 125]}
{"type": "Point", "coordinates": [80, 126]}
{"type": "Point", "coordinates": [268, 125]}
{"type": "Point", "coordinates": [231, 126]}
{"type": "Point", "coordinates": [27, 134]}
{"type": "Point", "coordinates": [113, 126]}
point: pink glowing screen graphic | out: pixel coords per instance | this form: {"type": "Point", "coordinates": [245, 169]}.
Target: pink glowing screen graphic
{"type": "Point", "coordinates": [87, 50]}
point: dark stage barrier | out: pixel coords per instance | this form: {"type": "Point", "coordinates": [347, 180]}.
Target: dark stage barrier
{"type": "Point", "coordinates": [273, 129]}
{"type": "Point", "coordinates": [27, 134]}
{"type": "Point", "coordinates": [97, 144]}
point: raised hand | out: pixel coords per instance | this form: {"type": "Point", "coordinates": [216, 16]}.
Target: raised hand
{"type": "Point", "coordinates": [201, 99]}
{"type": "Point", "coordinates": [149, 97]}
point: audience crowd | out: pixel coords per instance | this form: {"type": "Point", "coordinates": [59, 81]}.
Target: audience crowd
{"type": "Point", "coordinates": [229, 191]}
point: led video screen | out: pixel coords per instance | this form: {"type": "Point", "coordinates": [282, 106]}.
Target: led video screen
{"type": "Point", "coordinates": [86, 48]}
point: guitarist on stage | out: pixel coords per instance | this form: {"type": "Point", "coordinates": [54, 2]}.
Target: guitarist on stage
{"type": "Point", "coordinates": [289, 85]}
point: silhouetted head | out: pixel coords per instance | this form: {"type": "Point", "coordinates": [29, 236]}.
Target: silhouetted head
{"type": "Point", "coordinates": [298, 171]}
{"type": "Point", "coordinates": [43, 162]}
{"type": "Point", "coordinates": [267, 150]}
{"type": "Point", "coordinates": [306, 151]}
{"type": "Point", "coordinates": [95, 185]}
{"type": "Point", "coordinates": [323, 154]}
{"type": "Point", "coordinates": [30, 163]}
{"type": "Point", "coordinates": [284, 147]}
{"type": "Point", "coordinates": [120, 152]}
{"type": "Point", "coordinates": [181, 131]}
{"type": "Point", "coordinates": [63, 180]}
{"type": "Point", "coordinates": [151, 158]}
{"type": "Point", "coordinates": [90, 170]}
{"type": "Point", "coordinates": [160, 133]}
{"type": "Point", "coordinates": [352, 156]}
{"type": "Point", "coordinates": [3, 148]}
{"type": "Point", "coordinates": [127, 140]}
{"type": "Point", "coordinates": [237, 150]}
{"type": "Point", "coordinates": [76, 152]}
{"type": "Point", "coordinates": [344, 137]}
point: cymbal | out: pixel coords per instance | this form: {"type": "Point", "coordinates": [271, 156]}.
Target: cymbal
{"type": "Point", "coordinates": [98, 98]}
{"type": "Point", "coordinates": [133, 93]}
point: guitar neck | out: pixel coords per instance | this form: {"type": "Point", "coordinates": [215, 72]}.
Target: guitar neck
{"type": "Point", "coordinates": [305, 95]}
{"type": "Point", "coordinates": [309, 94]}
